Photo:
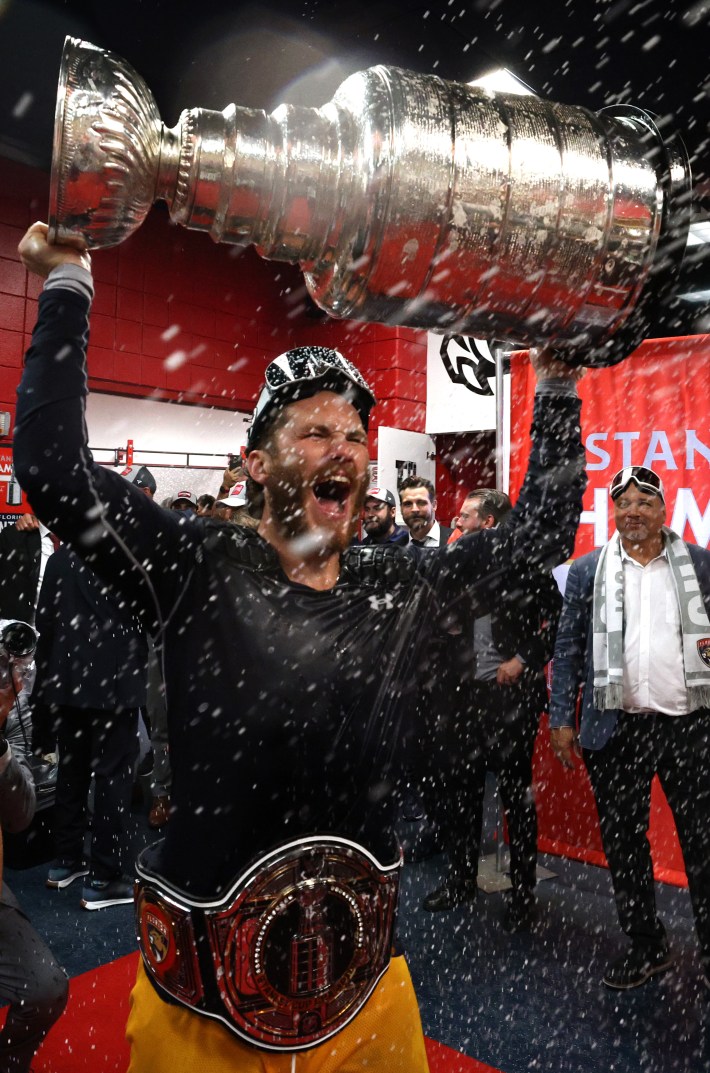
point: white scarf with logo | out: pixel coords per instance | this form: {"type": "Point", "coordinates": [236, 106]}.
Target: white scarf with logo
{"type": "Point", "coordinates": [608, 624]}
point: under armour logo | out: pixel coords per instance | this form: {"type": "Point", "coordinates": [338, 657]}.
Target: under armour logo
{"type": "Point", "coordinates": [468, 361]}
{"type": "Point", "coordinates": [382, 603]}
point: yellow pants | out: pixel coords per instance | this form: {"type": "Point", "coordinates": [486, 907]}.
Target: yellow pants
{"type": "Point", "coordinates": [385, 1037]}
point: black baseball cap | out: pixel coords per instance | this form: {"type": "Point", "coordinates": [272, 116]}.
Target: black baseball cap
{"type": "Point", "coordinates": [141, 477]}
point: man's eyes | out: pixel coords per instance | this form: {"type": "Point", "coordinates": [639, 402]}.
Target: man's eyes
{"type": "Point", "coordinates": [324, 434]}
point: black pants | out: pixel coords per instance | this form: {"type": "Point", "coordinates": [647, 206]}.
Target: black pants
{"type": "Point", "coordinates": [105, 745]}
{"type": "Point", "coordinates": [677, 750]}
{"type": "Point", "coordinates": [32, 983]}
{"type": "Point", "coordinates": [494, 730]}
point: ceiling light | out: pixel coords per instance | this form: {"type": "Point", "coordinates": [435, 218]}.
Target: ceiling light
{"type": "Point", "coordinates": [503, 81]}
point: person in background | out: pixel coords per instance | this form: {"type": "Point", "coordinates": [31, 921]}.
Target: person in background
{"type": "Point", "coordinates": [205, 503]}
{"type": "Point", "coordinates": [635, 635]}
{"type": "Point", "coordinates": [379, 518]}
{"type": "Point", "coordinates": [496, 661]}
{"type": "Point", "coordinates": [32, 983]}
{"type": "Point", "coordinates": [234, 471]}
{"type": "Point", "coordinates": [234, 507]}
{"type": "Point", "coordinates": [156, 762]}
{"type": "Point", "coordinates": [25, 550]}
{"type": "Point", "coordinates": [92, 659]}
{"type": "Point", "coordinates": [185, 502]}
{"type": "Point", "coordinates": [230, 503]}
{"type": "Point", "coordinates": [142, 478]}
{"type": "Point", "coordinates": [417, 501]}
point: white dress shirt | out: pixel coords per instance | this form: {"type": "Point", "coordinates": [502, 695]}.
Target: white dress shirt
{"type": "Point", "coordinates": [654, 678]}
{"type": "Point", "coordinates": [431, 540]}
{"type": "Point", "coordinates": [46, 549]}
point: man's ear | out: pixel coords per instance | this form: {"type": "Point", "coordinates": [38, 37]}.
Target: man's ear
{"type": "Point", "coordinates": [259, 465]}
{"type": "Point", "coordinates": [489, 522]}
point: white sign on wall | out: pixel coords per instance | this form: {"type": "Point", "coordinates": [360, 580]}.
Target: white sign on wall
{"type": "Point", "coordinates": [460, 384]}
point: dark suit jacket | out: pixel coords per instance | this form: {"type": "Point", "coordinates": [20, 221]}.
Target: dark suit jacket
{"type": "Point", "coordinates": [20, 555]}
{"type": "Point", "coordinates": [91, 653]}
{"type": "Point", "coordinates": [525, 610]}
{"type": "Point", "coordinates": [573, 665]}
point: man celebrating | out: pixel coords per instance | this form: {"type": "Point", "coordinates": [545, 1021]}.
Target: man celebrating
{"type": "Point", "coordinates": [497, 662]}
{"type": "Point", "coordinates": [635, 631]}
{"type": "Point", "coordinates": [417, 500]}
{"type": "Point", "coordinates": [266, 915]}
{"type": "Point", "coordinates": [378, 518]}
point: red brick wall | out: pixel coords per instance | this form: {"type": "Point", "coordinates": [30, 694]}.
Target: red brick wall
{"type": "Point", "coordinates": [463, 462]}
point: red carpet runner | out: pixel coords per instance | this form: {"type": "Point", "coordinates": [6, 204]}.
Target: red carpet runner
{"type": "Point", "coordinates": [89, 1037]}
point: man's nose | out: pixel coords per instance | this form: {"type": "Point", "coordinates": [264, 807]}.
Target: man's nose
{"type": "Point", "coordinates": [341, 446]}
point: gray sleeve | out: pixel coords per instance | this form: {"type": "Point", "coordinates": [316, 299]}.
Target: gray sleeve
{"type": "Point", "coordinates": [71, 277]}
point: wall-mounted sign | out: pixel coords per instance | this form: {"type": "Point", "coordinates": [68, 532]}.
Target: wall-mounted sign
{"type": "Point", "coordinates": [461, 383]}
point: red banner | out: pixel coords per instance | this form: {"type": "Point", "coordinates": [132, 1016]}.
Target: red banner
{"type": "Point", "coordinates": [12, 499]}
{"type": "Point", "coordinates": [652, 410]}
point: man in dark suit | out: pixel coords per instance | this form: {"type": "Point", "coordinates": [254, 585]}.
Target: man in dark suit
{"type": "Point", "coordinates": [91, 673]}
{"type": "Point", "coordinates": [417, 500]}
{"type": "Point", "coordinates": [24, 550]}
{"type": "Point", "coordinates": [496, 694]}
{"type": "Point", "coordinates": [635, 632]}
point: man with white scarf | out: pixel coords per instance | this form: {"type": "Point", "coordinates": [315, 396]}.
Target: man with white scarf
{"type": "Point", "coordinates": [635, 632]}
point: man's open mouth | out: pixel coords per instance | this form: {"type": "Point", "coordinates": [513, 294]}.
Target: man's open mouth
{"type": "Point", "coordinates": [332, 494]}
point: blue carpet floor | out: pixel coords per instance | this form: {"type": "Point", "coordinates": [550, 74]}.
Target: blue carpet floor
{"type": "Point", "coordinates": [529, 1003]}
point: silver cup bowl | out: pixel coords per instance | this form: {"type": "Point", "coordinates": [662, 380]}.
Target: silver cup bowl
{"type": "Point", "coordinates": [106, 154]}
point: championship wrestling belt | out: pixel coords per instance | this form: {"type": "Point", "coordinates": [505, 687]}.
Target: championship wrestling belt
{"type": "Point", "coordinates": [289, 956]}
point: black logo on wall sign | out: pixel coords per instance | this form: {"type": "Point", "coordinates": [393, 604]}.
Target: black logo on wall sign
{"type": "Point", "coordinates": [468, 361]}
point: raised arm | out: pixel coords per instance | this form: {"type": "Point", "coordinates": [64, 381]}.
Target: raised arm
{"type": "Point", "coordinates": [142, 550]}
{"type": "Point", "coordinates": [539, 533]}
{"type": "Point", "coordinates": [543, 523]}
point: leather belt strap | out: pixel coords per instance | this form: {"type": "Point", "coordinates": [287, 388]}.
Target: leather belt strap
{"type": "Point", "coordinates": [289, 955]}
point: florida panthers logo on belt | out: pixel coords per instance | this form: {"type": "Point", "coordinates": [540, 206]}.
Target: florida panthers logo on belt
{"type": "Point", "coordinates": [704, 650]}
{"type": "Point", "coordinates": [158, 937]}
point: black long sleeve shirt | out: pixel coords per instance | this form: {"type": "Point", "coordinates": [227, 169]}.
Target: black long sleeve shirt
{"type": "Point", "coordinates": [285, 704]}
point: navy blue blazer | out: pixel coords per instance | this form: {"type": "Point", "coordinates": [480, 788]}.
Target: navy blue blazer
{"type": "Point", "coordinates": [572, 664]}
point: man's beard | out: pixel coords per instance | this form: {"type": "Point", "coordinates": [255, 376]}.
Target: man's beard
{"type": "Point", "coordinates": [287, 495]}
{"type": "Point", "coordinates": [418, 525]}
{"type": "Point", "coordinates": [377, 528]}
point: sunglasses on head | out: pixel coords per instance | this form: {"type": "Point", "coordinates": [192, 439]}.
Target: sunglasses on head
{"type": "Point", "coordinates": [303, 371]}
{"type": "Point", "coordinates": [644, 479]}
{"type": "Point", "coordinates": [308, 363]}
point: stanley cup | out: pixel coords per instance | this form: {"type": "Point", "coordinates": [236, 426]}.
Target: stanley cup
{"type": "Point", "coordinates": [406, 199]}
